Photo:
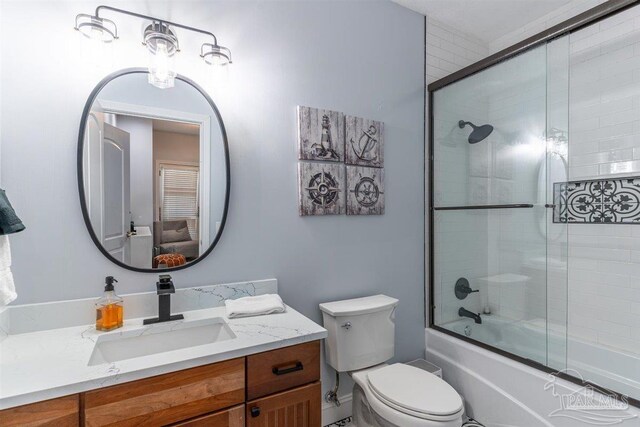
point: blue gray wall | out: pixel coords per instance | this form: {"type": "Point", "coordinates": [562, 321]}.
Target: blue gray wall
{"type": "Point", "coordinates": [360, 57]}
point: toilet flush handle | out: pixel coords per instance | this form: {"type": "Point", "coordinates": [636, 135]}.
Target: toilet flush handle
{"type": "Point", "coordinates": [347, 326]}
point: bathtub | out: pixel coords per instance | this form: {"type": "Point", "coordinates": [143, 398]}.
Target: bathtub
{"type": "Point", "coordinates": [613, 369]}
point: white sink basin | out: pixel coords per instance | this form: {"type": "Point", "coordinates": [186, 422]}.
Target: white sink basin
{"type": "Point", "coordinates": [159, 338]}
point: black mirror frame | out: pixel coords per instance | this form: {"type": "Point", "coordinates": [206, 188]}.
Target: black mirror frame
{"type": "Point", "coordinates": [80, 169]}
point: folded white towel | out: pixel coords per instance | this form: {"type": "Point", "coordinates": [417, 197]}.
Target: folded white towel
{"type": "Point", "coordinates": [7, 288]}
{"type": "Point", "coordinates": [254, 306]}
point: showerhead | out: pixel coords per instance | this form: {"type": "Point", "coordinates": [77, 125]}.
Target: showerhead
{"type": "Point", "coordinates": [478, 133]}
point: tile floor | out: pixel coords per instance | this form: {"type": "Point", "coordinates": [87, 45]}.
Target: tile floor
{"type": "Point", "coordinates": [345, 422]}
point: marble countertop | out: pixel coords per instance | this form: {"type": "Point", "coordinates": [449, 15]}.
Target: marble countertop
{"type": "Point", "coordinates": [45, 364]}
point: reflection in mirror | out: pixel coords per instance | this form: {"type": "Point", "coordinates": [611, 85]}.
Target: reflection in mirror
{"type": "Point", "coordinates": [154, 172]}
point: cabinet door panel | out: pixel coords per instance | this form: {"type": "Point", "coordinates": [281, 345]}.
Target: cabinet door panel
{"type": "Point", "coordinates": [233, 417]}
{"type": "Point", "coordinates": [61, 412]}
{"type": "Point", "coordinates": [299, 407]}
{"type": "Point", "coordinates": [168, 398]}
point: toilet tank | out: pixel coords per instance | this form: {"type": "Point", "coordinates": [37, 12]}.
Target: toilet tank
{"type": "Point", "coordinates": [361, 331]}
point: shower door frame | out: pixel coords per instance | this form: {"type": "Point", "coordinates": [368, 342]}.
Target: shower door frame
{"type": "Point", "coordinates": [589, 17]}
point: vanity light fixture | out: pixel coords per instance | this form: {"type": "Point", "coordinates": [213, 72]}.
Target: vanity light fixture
{"type": "Point", "coordinates": [160, 40]}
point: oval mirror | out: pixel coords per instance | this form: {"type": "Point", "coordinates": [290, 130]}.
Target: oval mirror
{"type": "Point", "coordinates": [153, 172]}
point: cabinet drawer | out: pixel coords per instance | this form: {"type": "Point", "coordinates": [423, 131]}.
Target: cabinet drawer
{"type": "Point", "coordinates": [61, 412]}
{"type": "Point", "coordinates": [299, 407]}
{"type": "Point", "coordinates": [168, 398]}
{"type": "Point", "coordinates": [282, 369]}
{"type": "Point", "coordinates": [233, 417]}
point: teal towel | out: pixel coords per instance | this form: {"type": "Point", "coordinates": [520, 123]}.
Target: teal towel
{"type": "Point", "coordinates": [9, 221]}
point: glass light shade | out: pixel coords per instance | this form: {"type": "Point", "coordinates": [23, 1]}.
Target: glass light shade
{"type": "Point", "coordinates": [98, 29]}
{"type": "Point", "coordinates": [162, 45]}
{"type": "Point", "coordinates": [162, 71]}
{"type": "Point", "coordinates": [216, 55]}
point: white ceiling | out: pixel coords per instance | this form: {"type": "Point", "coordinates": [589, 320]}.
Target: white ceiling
{"type": "Point", "coordinates": [176, 127]}
{"type": "Point", "coordinates": [487, 20]}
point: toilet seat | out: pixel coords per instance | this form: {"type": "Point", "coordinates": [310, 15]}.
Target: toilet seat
{"type": "Point", "coordinates": [414, 392]}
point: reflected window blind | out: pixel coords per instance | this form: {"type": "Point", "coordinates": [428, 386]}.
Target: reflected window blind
{"type": "Point", "coordinates": [179, 192]}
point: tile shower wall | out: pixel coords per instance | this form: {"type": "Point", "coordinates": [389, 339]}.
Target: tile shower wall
{"type": "Point", "coordinates": [449, 50]}
{"type": "Point", "coordinates": [566, 11]}
{"type": "Point", "coordinates": [604, 260]}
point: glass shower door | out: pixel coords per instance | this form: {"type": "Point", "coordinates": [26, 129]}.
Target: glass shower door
{"type": "Point", "coordinates": [491, 210]}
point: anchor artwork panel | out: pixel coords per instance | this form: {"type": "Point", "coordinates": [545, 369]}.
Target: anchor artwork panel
{"type": "Point", "coordinates": [321, 188]}
{"type": "Point", "coordinates": [365, 191]}
{"type": "Point", "coordinates": [364, 145]}
{"type": "Point", "coordinates": [320, 135]}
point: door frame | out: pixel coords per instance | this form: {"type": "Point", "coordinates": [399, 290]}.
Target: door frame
{"type": "Point", "coordinates": [204, 122]}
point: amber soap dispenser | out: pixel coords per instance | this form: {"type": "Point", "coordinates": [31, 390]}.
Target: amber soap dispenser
{"type": "Point", "coordinates": [109, 309]}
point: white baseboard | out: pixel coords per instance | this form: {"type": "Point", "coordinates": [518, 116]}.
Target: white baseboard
{"type": "Point", "coordinates": [332, 413]}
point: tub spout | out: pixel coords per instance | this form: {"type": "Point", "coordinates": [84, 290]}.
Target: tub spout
{"type": "Point", "coordinates": [463, 312]}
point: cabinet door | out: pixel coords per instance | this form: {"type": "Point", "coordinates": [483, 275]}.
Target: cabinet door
{"type": "Point", "coordinates": [62, 412]}
{"type": "Point", "coordinates": [233, 417]}
{"type": "Point", "coordinates": [299, 407]}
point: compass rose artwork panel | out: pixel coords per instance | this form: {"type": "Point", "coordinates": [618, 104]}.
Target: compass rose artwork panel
{"type": "Point", "coordinates": [364, 143]}
{"type": "Point", "coordinates": [321, 188]}
{"type": "Point", "coordinates": [365, 191]}
{"type": "Point", "coordinates": [320, 135]}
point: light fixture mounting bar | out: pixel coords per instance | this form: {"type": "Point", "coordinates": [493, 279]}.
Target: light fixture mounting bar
{"type": "Point", "coordinates": [152, 18]}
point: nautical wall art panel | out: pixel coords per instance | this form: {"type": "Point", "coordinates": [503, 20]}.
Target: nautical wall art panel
{"type": "Point", "coordinates": [365, 191]}
{"type": "Point", "coordinates": [320, 135]}
{"type": "Point", "coordinates": [321, 188]}
{"type": "Point", "coordinates": [364, 144]}
{"type": "Point", "coordinates": [607, 201]}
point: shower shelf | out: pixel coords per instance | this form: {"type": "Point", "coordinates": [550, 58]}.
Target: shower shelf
{"type": "Point", "coordinates": [459, 208]}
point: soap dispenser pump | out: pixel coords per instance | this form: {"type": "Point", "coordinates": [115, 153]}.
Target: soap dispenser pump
{"type": "Point", "coordinates": [109, 308]}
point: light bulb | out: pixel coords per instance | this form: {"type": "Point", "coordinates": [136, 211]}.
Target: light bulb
{"type": "Point", "coordinates": [161, 67]}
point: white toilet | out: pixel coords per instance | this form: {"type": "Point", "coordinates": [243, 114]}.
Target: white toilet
{"type": "Point", "coordinates": [360, 341]}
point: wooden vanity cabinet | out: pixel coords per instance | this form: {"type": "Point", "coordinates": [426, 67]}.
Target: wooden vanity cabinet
{"type": "Point", "coordinates": [274, 388]}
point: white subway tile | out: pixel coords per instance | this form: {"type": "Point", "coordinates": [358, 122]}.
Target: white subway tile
{"type": "Point", "coordinates": [619, 168]}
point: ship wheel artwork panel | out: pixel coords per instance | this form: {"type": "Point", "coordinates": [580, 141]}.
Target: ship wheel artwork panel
{"type": "Point", "coordinates": [321, 188]}
{"type": "Point", "coordinates": [365, 191]}
{"type": "Point", "coordinates": [364, 144]}
{"type": "Point", "coordinates": [320, 135]}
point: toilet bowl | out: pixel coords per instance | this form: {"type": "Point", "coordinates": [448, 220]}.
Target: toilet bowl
{"type": "Point", "coordinates": [360, 341]}
{"type": "Point", "coordinates": [404, 396]}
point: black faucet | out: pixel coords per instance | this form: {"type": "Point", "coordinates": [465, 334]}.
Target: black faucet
{"type": "Point", "coordinates": [463, 312]}
{"type": "Point", "coordinates": [165, 289]}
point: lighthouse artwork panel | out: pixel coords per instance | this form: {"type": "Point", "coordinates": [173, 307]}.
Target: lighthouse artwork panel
{"type": "Point", "coordinates": [364, 144]}
{"type": "Point", "coordinates": [320, 135]}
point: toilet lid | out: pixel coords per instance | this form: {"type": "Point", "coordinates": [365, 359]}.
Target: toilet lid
{"type": "Point", "coordinates": [413, 389]}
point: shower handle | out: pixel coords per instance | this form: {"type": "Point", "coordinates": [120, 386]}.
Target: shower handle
{"type": "Point", "coordinates": [462, 288]}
